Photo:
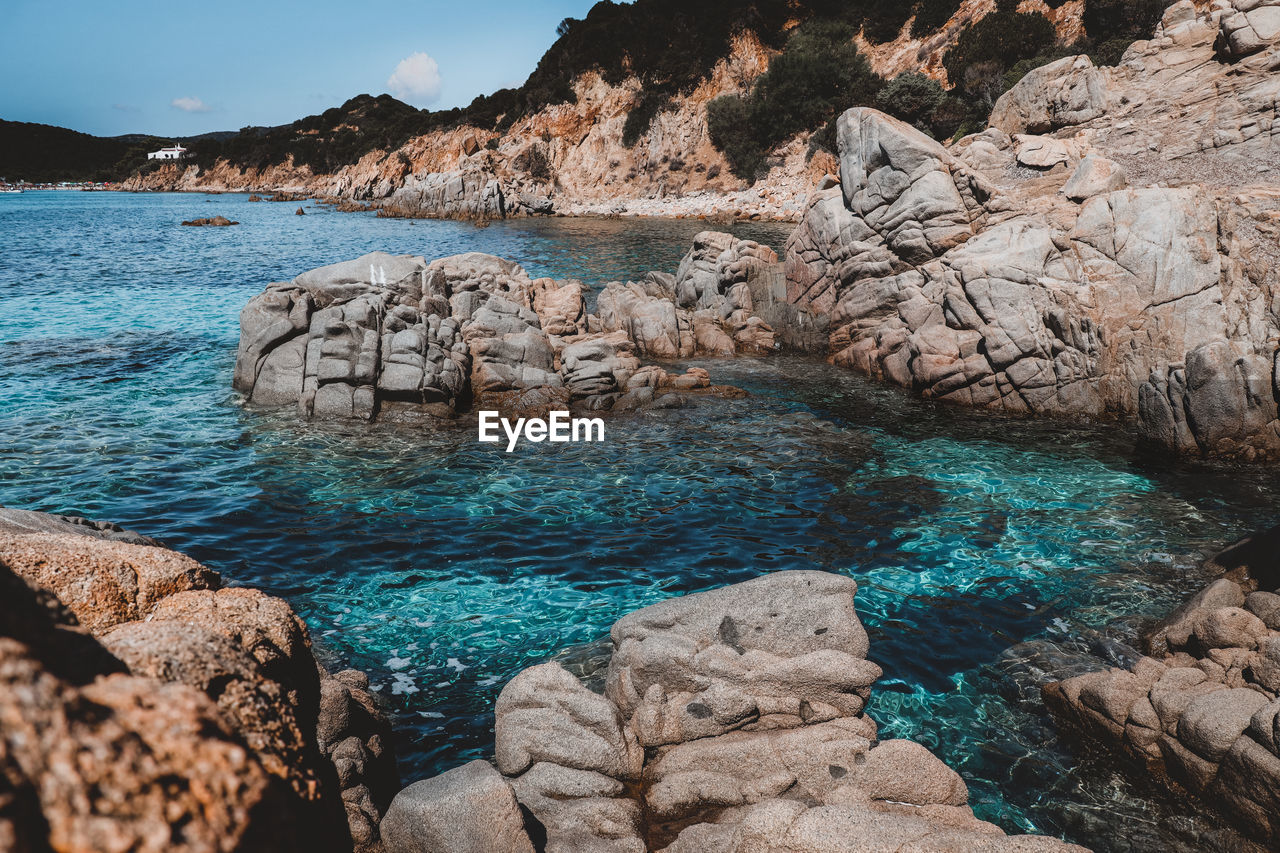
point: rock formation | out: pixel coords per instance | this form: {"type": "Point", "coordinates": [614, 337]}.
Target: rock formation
{"type": "Point", "coordinates": [398, 336]}
{"type": "Point", "coordinates": [145, 707]}
{"type": "Point", "coordinates": [215, 221]}
{"type": "Point", "coordinates": [732, 720]}
{"type": "Point", "coordinates": [1199, 713]}
{"type": "Point", "coordinates": [1074, 289]}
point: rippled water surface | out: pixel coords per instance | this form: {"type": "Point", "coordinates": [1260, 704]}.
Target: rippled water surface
{"type": "Point", "coordinates": [443, 566]}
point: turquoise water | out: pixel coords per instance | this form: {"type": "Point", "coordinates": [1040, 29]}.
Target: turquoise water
{"type": "Point", "coordinates": [443, 566]}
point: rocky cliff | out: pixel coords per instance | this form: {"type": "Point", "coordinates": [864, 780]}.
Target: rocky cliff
{"type": "Point", "coordinates": [1106, 248]}
{"type": "Point", "coordinates": [572, 157]}
{"type": "Point", "coordinates": [146, 707]}
{"type": "Point", "coordinates": [729, 720]}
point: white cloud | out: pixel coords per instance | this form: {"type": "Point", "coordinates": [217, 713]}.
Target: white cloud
{"type": "Point", "coordinates": [189, 104]}
{"type": "Point", "coordinates": [416, 80]}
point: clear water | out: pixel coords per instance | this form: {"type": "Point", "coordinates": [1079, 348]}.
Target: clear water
{"type": "Point", "coordinates": [443, 566]}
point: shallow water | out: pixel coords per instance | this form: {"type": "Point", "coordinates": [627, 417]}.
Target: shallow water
{"type": "Point", "coordinates": [443, 566]}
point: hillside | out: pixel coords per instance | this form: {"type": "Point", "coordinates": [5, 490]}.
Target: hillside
{"type": "Point", "coordinates": [637, 104]}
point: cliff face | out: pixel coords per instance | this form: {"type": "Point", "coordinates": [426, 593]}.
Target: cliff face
{"type": "Point", "coordinates": [573, 155]}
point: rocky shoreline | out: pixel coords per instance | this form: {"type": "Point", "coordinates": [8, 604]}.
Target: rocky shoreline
{"type": "Point", "coordinates": [1019, 270]}
{"type": "Point", "coordinates": [145, 706]}
{"type": "Point", "coordinates": [148, 707]}
{"type": "Point", "coordinates": [731, 720]}
{"type": "Point", "coordinates": [1199, 713]}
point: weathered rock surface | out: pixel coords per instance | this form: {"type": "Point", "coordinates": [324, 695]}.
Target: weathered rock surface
{"type": "Point", "coordinates": [461, 194]}
{"type": "Point", "coordinates": [1081, 291]}
{"type": "Point", "coordinates": [1200, 712]}
{"type": "Point", "coordinates": [396, 335]}
{"type": "Point", "coordinates": [144, 707]}
{"type": "Point", "coordinates": [731, 720]}
{"type": "Point", "coordinates": [470, 809]}
{"type": "Point", "coordinates": [707, 308]}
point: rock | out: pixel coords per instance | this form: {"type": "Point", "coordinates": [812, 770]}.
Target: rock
{"type": "Point", "coordinates": [1248, 26]}
{"type": "Point", "coordinates": [545, 715]}
{"type": "Point", "coordinates": [190, 719]}
{"type": "Point", "coordinates": [1266, 606]}
{"type": "Point", "coordinates": [470, 809]}
{"type": "Point", "coordinates": [1229, 627]}
{"type": "Point", "coordinates": [398, 336]}
{"type": "Point", "coordinates": [1206, 725]}
{"type": "Point", "coordinates": [25, 521]}
{"type": "Point", "coordinates": [264, 627]}
{"type": "Point", "coordinates": [581, 809]}
{"type": "Point", "coordinates": [1094, 176]}
{"type": "Point", "coordinates": [461, 194]}
{"type": "Point", "coordinates": [1066, 92]}
{"type": "Point", "coordinates": [758, 742]}
{"type": "Point", "coordinates": [216, 221]}
{"type": "Point", "coordinates": [706, 309]}
{"type": "Point", "coordinates": [743, 768]}
{"type": "Point", "coordinates": [253, 706]}
{"type": "Point", "coordinates": [116, 764]}
{"type": "Point", "coordinates": [732, 658]}
{"type": "Point", "coordinates": [901, 771]}
{"type": "Point", "coordinates": [1211, 723]}
{"type": "Point", "coordinates": [1175, 631]}
{"type": "Point", "coordinates": [103, 582]}
{"type": "Point", "coordinates": [1041, 152]}
{"type": "Point", "coordinates": [943, 271]}
{"type": "Point", "coordinates": [300, 212]}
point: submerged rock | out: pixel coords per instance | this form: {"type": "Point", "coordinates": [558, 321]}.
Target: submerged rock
{"type": "Point", "coordinates": [216, 221]}
{"type": "Point", "coordinates": [732, 720]}
{"type": "Point", "coordinates": [143, 707]}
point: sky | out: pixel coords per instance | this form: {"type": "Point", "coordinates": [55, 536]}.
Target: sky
{"type": "Point", "coordinates": [181, 68]}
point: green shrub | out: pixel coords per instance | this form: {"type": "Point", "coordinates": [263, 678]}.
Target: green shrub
{"type": "Point", "coordinates": [998, 42]}
{"type": "Point", "coordinates": [911, 96]}
{"type": "Point", "coordinates": [1122, 20]}
{"type": "Point", "coordinates": [729, 126]}
{"type": "Point", "coordinates": [818, 75]}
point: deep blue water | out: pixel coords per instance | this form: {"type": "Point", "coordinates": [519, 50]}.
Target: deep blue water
{"type": "Point", "coordinates": [443, 566]}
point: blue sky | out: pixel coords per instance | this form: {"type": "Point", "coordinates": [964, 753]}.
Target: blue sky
{"type": "Point", "coordinates": [180, 68]}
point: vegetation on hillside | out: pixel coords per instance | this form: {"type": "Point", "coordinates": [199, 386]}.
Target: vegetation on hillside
{"type": "Point", "coordinates": [42, 153]}
{"type": "Point", "coordinates": [670, 46]}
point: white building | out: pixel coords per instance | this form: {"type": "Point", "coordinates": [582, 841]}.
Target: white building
{"type": "Point", "coordinates": [177, 152]}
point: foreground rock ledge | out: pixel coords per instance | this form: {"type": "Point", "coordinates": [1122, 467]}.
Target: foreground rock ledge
{"type": "Point", "coordinates": [1201, 712]}
{"type": "Point", "coordinates": [145, 707]}
{"type": "Point", "coordinates": [732, 720]}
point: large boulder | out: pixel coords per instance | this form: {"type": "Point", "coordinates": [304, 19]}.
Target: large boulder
{"type": "Point", "coordinates": [470, 809]}
{"type": "Point", "coordinates": [1066, 92]}
{"type": "Point", "coordinates": [400, 337]}
{"type": "Point", "coordinates": [1248, 26]}
{"type": "Point", "coordinates": [733, 658]}
{"type": "Point", "coordinates": [732, 720]}
{"type": "Point", "coordinates": [707, 308]}
{"type": "Point", "coordinates": [461, 194]}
